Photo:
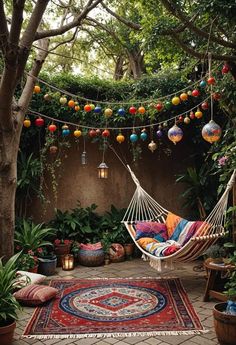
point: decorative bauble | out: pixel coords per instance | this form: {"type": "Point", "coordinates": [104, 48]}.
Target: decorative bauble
{"type": "Point", "coordinates": [98, 132]}
{"type": "Point", "coordinates": [180, 118]}
{"type": "Point", "coordinates": [159, 106]}
{"type": "Point", "coordinates": [211, 81]}
{"type": "Point", "coordinates": [143, 136]}
{"type": "Point", "coordinates": [159, 133]}
{"type": "Point", "coordinates": [65, 132]}
{"type": "Point", "coordinates": [205, 105]}
{"type": "Point", "coordinates": [152, 146]}
{"type": "Point", "coordinates": [133, 137]}
{"type": "Point", "coordinates": [71, 103]}
{"type": "Point", "coordinates": [216, 96]}
{"type": "Point", "coordinates": [77, 133]}
{"type": "Point", "coordinates": [97, 109]}
{"type": "Point", "coordinates": [92, 106]}
{"type": "Point", "coordinates": [192, 115]}
{"type": "Point", "coordinates": [39, 122]}
{"type": "Point", "coordinates": [105, 133]}
{"type": "Point", "coordinates": [52, 128]}
{"type": "Point", "coordinates": [108, 112]}
{"type": "Point", "coordinates": [195, 93]}
{"type": "Point", "coordinates": [65, 127]}
{"type": "Point", "coordinates": [92, 133]}
{"type": "Point", "coordinates": [120, 138]}
{"type": "Point", "coordinates": [211, 132]}
{"type": "Point", "coordinates": [77, 107]}
{"type": "Point", "coordinates": [47, 97]}
{"type": "Point", "coordinates": [198, 114]}
{"type": "Point", "coordinates": [168, 105]}
{"type": "Point", "coordinates": [175, 134]}
{"type": "Point", "coordinates": [27, 123]}
{"type": "Point", "coordinates": [63, 100]}
{"type": "Point", "coordinates": [53, 149]}
{"type": "Point", "coordinates": [160, 127]}
{"type": "Point", "coordinates": [189, 93]}
{"type": "Point", "coordinates": [175, 100]}
{"type": "Point", "coordinates": [202, 83]}
{"type": "Point", "coordinates": [187, 120]}
{"type": "Point", "coordinates": [183, 96]}
{"type": "Point", "coordinates": [225, 69]}
{"type": "Point", "coordinates": [121, 111]}
{"type": "Point", "coordinates": [132, 110]}
{"type": "Point", "coordinates": [141, 110]}
{"type": "Point", "coordinates": [165, 124]}
{"type": "Point", "coordinates": [87, 108]}
{"type": "Point", "coordinates": [37, 89]}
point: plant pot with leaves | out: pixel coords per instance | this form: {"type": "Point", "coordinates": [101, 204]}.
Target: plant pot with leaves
{"type": "Point", "coordinates": [47, 262]}
{"type": "Point", "coordinates": [28, 262]}
{"type": "Point", "coordinates": [8, 304]}
{"type": "Point", "coordinates": [216, 253]}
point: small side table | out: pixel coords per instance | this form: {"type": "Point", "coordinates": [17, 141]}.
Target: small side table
{"type": "Point", "coordinates": [212, 270]}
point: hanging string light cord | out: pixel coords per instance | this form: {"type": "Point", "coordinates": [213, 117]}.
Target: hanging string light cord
{"type": "Point", "coordinates": [211, 87]}
{"type": "Point", "coordinates": [35, 113]}
{"type": "Point", "coordinates": [114, 151]}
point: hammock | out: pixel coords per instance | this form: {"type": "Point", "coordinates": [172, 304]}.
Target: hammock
{"type": "Point", "coordinates": [143, 208]}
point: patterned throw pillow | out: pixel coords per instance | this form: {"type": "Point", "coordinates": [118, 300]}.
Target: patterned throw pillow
{"type": "Point", "coordinates": [25, 278]}
{"type": "Point", "coordinates": [154, 230]}
{"type": "Point", "coordinates": [144, 241]}
{"type": "Point", "coordinates": [34, 294]}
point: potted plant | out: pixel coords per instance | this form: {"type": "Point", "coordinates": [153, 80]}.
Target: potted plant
{"type": "Point", "coordinates": [47, 262]}
{"type": "Point", "coordinates": [28, 262]}
{"type": "Point", "coordinates": [225, 313]}
{"type": "Point", "coordinates": [8, 304]}
{"type": "Point", "coordinates": [216, 253]}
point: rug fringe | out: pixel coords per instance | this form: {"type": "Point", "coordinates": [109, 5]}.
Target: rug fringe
{"type": "Point", "coordinates": [114, 335]}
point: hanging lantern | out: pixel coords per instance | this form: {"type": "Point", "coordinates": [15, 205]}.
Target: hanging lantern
{"type": "Point", "coordinates": [77, 133]}
{"type": "Point", "coordinates": [77, 107]}
{"type": "Point", "coordinates": [47, 97]}
{"type": "Point", "coordinates": [37, 89]}
{"type": "Point", "coordinates": [152, 146]}
{"type": "Point", "coordinates": [53, 149]}
{"type": "Point", "coordinates": [108, 112]}
{"type": "Point", "coordinates": [84, 159]}
{"type": "Point", "coordinates": [87, 108]}
{"type": "Point", "coordinates": [141, 110]}
{"type": "Point", "coordinates": [52, 128]}
{"type": "Point", "coordinates": [195, 93]}
{"type": "Point", "coordinates": [211, 81]}
{"type": "Point", "coordinates": [205, 105]}
{"type": "Point", "coordinates": [159, 106]}
{"type": "Point", "coordinates": [92, 133]}
{"type": "Point", "coordinates": [180, 118]}
{"type": "Point", "coordinates": [189, 93]}
{"type": "Point", "coordinates": [121, 111]}
{"type": "Point", "coordinates": [183, 96]}
{"type": "Point", "coordinates": [39, 122]}
{"type": "Point", "coordinates": [168, 105]}
{"type": "Point", "coordinates": [175, 100]}
{"type": "Point", "coordinates": [71, 103]}
{"type": "Point", "coordinates": [98, 132]}
{"type": "Point", "coordinates": [165, 124]}
{"type": "Point", "coordinates": [65, 130]}
{"type": "Point", "coordinates": [143, 135]}
{"type": "Point", "coordinates": [120, 138]}
{"type": "Point", "coordinates": [159, 133]}
{"type": "Point", "coordinates": [216, 96]}
{"type": "Point", "coordinates": [202, 83]}
{"type": "Point", "coordinates": [92, 106]}
{"type": "Point", "coordinates": [225, 69]}
{"type": "Point", "coordinates": [97, 109]}
{"type": "Point", "coordinates": [103, 170]}
{"type": "Point", "coordinates": [105, 133]}
{"type": "Point", "coordinates": [211, 132]}
{"type": "Point", "coordinates": [198, 114]}
{"type": "Point", "coordinates": [132, 110]}
{"type": "Point", "coordinates": [68, 262]}
{"type": "Point", "coordinates": [187, 120]}
{"type": "Point", "coordinates": [175, 134]}
{"type": "Point", "coordinates": [133, 137]}
{"type": "Point", "coordinates": [27, 123]}
{"type": "Point", "coordinates": [192, 115]}
{"type": "Point", "coordinates": [63, 100]}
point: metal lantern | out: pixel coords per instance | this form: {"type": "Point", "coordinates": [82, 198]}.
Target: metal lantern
{"type": "Point", "coordinates": [84, 159]}
{"type": "Point", "coordinates": [68, 262]}
{"type": "Point", "coordinates": [211, 132]}
{"type": "Point", "coordinates": [152, 146]}
{"type": "Point", "coordinates": [103, 170]}
{"type": "Point", "coordinates": [175, 134]}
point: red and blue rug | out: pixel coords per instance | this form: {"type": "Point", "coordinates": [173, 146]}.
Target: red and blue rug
{"type": "Point", "coordinates": [115, 307]}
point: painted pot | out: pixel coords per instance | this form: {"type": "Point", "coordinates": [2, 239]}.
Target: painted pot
{"type": "Point", "coordinates": [92, 258]}
{"type": "Point", "coordinates": [6, 333]}
{"type": "Point", "coordinates": [47, 265]}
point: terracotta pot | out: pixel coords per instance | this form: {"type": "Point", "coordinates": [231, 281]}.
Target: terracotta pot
{"type": "Point", "coordinates": [6, 333]}
{"type": "Point", "coordinates": [60, 250]}
{"type": "Point", "coordinates": [117, 252]}
{"type": "Point", "coordinates": [225, 325]}
{"type": "Point", "coordinates": [129, 249]}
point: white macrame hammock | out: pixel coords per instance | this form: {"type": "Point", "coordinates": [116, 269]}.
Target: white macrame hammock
{"type": "Point", "coordinates": [144, 208]}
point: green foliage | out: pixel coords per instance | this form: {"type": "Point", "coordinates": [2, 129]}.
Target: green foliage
{"type": "Point", "coordinates": [26, 262]}
{"type": "Point", "coordinates": [8, 283]}
{"type": "Point", "coordinates": [215, 251]}
{"type": "Point", "coordinates": [230, 286]}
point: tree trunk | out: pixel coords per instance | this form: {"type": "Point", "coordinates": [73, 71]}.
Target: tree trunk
{"type": "Point", "coordinates": [119, 72]}
{"type": "Point", "coordinates": [136, 64]}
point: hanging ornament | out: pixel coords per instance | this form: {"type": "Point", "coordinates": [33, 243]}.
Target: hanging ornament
{"type": "Point", "coordinates": [121, 111]}
{"type": "Point", "coordinates": [198, 114]}
{"type": "Point", "coordinates": [92, 106]}
{"type": "Point", "coordinates": [143, 135]}
{"type": "Point", "coordinates": [205, 105]}
{"type": "Point", "coordinates": [47, 97]}
{"type": "Point", "coordinates": [52, 128]}
{"type": "Point", "coordinates": [63, 100]}
{"type": "Point", "coordinates": [168, 105]}
{"type": "Point", "coordinates": [120, 138]}
{"type": "Point", "coordinates": [175, 100]}
{"type": "Point", "coordinates": [165, 124]}
{"type": "Point", "coordinates": [211, 132]}
{"type": "Point", "coordinates": [27, 123]}
{"type": "Point", "coordinates": [152, 146]}
{"type": "Point", "coordinates": [71, 103]}
{"type": "Point", "coordinates": [87, 108]}
{"type": "Point", "coordinates": [187, 120]}
{"type": "Point", "coordinates": [133, 137]}
{"type": "Point", "coordinates": [195, 93]}
{"type": "Point", "coordinates": [175, 134]}
{"type": "Point", "coordinates": [183, 96]}
{"type": "Point", "coordinates": [211, 81]}
{"type": "Point", "coordinates": [141, 110]}
{"type": "Point", "coordinates": [108, 112]}
{"type": "Point", "coordinates": [77, 107]}
{"type": "Point", "coordinates": [39, 122]}
{"type": "Point", "coordinates": [92, 133]}
{"type": "Point", "coordinates": [65, 130]}
{"type": "Point", "coordinates": [202, 83]}
{"type": "Point", "coordinates": [216, 96]}
{"type": "Point", "coordinates": [132, 110]}
{"type": "Point", "coordinates": [84, 158]}
{"type": "Point", "coordinates": [53, 149]}
{"type": "Point", "coordinates": [180, 118]}
{"type": "Point", "coordinates": [225, 69]}
{"type": "Point", "coordinates": [98, 132]}
{"type": "Point", "coordinates": [189, 93]}
{"type": "Point", "coordinates": [77, 133]}
{"type": "Point", "coordinates": [105, 133]}
{"type": "Point", "coordinates": [97, 109]}
{"type": "Point", "coordinates": [192, 115]}
{"type": "Point", "coordinates": [159, 106]}
{"type": "Point", "coordinates": [160, 127]}
{"type": "Point", "coordinates": [159, 133]}
{"type": "Point", "coordinates": [37, 89]}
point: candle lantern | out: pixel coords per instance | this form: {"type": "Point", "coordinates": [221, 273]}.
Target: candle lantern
{"type": "Point", "coordinates": [84, 159]}
{"type": "Point", "coordinates": [103, 170]}
{"type": "Point", "coordinates": [68, 262]}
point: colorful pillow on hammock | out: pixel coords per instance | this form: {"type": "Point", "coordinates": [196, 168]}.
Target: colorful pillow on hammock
{"type": "Point", "coordinates": [144, 241]}
{"type": "Point", "coordinates": [163, 249]}
{"type": "Point", "coordinates": [151, 229]}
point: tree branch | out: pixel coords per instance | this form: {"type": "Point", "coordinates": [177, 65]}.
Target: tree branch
{"type": "Point", "coordinates": [3, 28]}
{"type": "Point", "coordinates": [66, 41]}
{"type": "Point", "coordinates": [173, 9]}
{"type": "Point", "coordinates": [16, 22]}
{"type": "Point", "coordinates": [76, 22]}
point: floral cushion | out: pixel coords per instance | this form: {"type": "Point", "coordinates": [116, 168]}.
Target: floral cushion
{"type": "Point", "coordinates": [26, 278]}
{"type": "Point", "coordinates": [34, 294]}
{"type": "Point", "coordinates": [155, 230]}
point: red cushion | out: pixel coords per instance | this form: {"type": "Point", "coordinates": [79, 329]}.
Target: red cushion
{"type": "Point", "coordinates": [35, 294]}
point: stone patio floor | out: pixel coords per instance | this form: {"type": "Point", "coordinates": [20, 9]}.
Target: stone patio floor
{"type": "Point", "coordinates": [193, 282]}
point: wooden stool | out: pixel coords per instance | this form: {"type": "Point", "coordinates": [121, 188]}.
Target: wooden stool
{"type": "Point", "coordinates": [212, 270]}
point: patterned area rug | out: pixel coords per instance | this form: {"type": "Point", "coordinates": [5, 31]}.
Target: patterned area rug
{"type": "Point", "coordinates": [115, 307]}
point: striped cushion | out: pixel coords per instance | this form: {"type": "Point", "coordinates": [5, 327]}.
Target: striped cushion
{"type": "Point", "coordinates": [151, 229]}
{"type": "Point", "coordinates": [35, 294]}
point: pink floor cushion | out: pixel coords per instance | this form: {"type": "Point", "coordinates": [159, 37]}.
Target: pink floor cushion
{"type": "Point", "coordinates": [154, 230]}
{"type": "Point", "coordinates": [34, 294]}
